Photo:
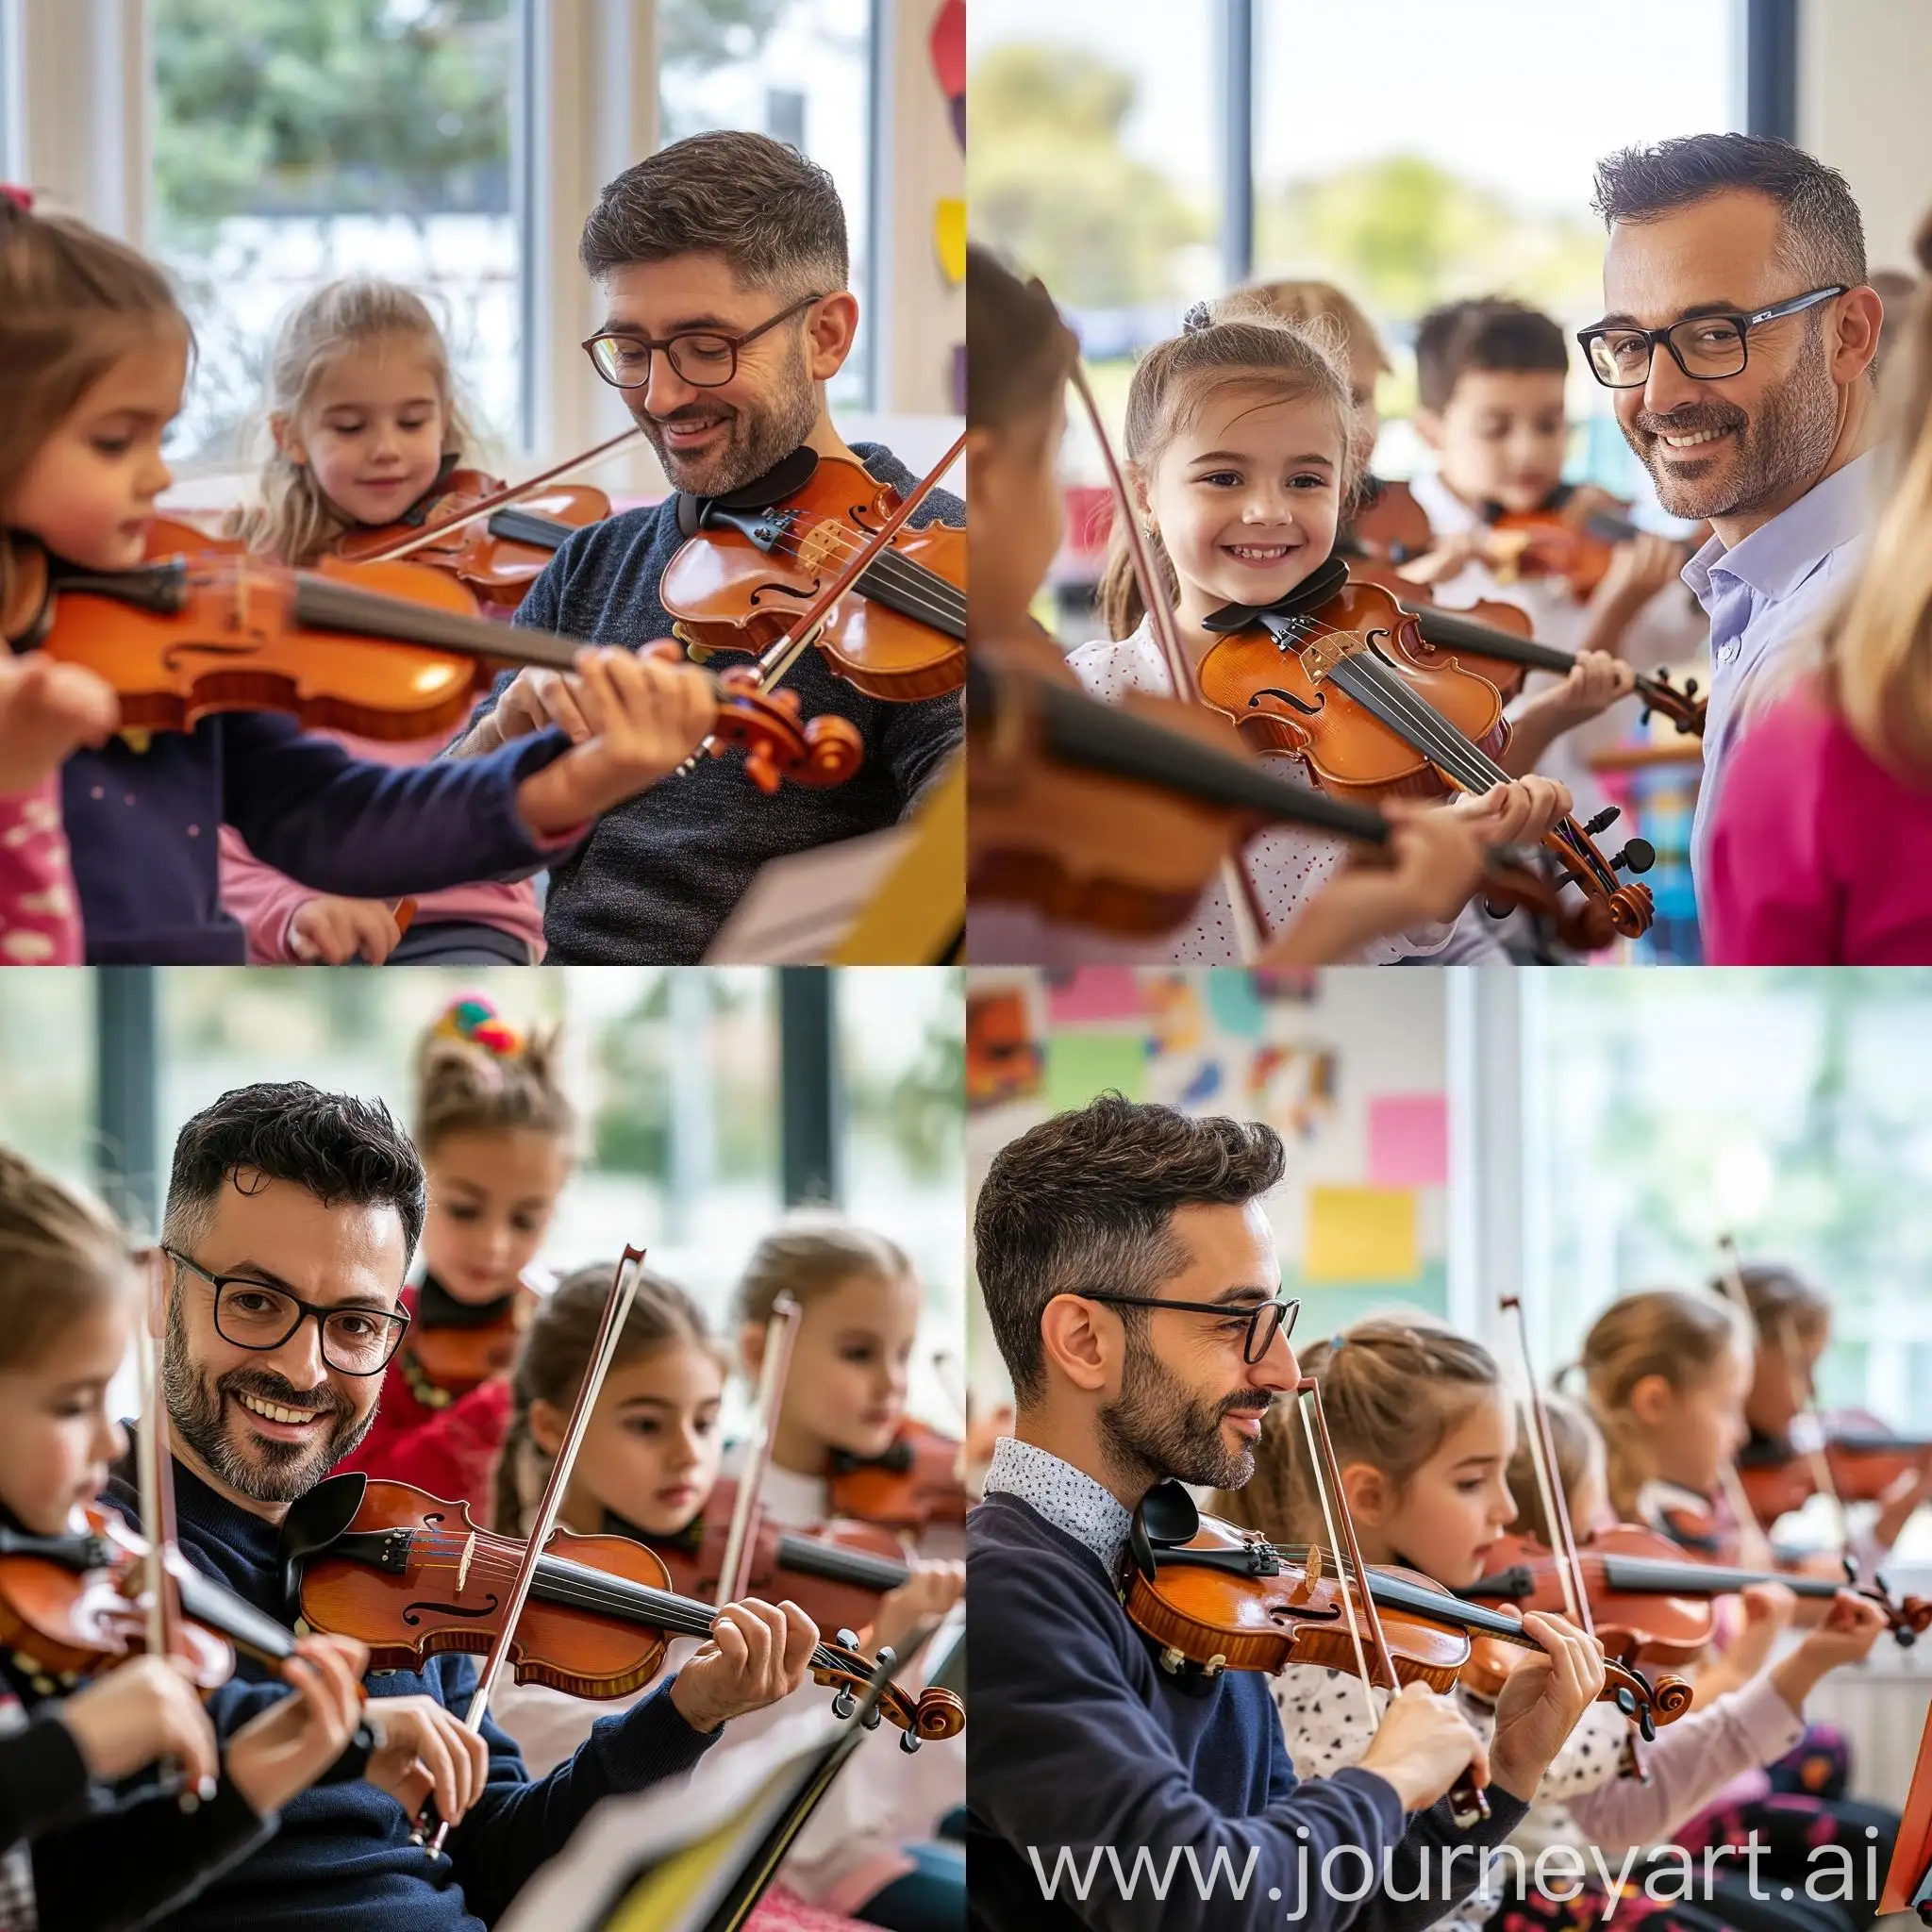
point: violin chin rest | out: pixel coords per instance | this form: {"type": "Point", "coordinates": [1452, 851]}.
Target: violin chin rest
{"type": "Point", "coordinates": [313, 1524]}
{"type": "Point", "coordinates": [1171, 1515]}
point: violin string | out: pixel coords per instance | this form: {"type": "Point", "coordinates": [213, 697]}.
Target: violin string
{"type": "Point", "coordinates": [934, 598]}
{"type": "Point", "coordinates": [792, 542]}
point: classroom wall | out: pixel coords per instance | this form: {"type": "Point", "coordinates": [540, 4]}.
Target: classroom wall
{"type": "Point", "coordinates": [1350, 1068]}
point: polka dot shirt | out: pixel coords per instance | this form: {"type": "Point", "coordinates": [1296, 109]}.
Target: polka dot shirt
{"type": "Point", "coordinates": [40, 914]}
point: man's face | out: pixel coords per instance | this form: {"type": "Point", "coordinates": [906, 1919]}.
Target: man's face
{"type": "Point", "coordinates": [1740, 443]}
{"type": "Point", "coordinates": [279, 1235]}
{"type": "Point", "coordinates": [1189, 1405]}
{"type": "Point", "coordinates": [712, 439]}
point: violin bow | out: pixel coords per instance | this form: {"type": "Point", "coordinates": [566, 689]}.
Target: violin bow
{"type": "Point", "coordinates": [1756, 1539]}
{"type": "Point", "coordinates": [1245, 902]}
{"type": "Point", "coordinates": [1909, 1881]}
{"type": "Point", "coordinates": [1542, 1457]}
{"type": "Point", "coordinates": [781, 1331]}
{"type": "Point", "coordinates": [617, 1307]}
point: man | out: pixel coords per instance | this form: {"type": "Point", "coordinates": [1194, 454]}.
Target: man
{"type": "Point", "coordinates": [1130, 1278]}
{"type": "Point", "coordinates": [1739, 336]}
{"type": "Point", "coordinates": [722, 266]}
{"type": "Point", "coordinates": [291, 1220]}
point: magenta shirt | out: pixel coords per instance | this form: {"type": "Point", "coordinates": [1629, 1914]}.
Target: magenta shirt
{"type": "Point", "coordinates": [1819, 854]}
{"type": "Point", "coordinates": [39, 911]}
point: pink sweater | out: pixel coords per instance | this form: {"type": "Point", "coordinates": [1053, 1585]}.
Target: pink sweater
{"type": "Point", "coordinates": [39, 912]}
{"type": "Point", "coordinates": [1819, 854]}
{"type": "Point", "coordinates": [265, 900]}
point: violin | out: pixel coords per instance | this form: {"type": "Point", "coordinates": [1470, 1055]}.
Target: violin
{"type": "Point", "coordinates": [388, 650]}
{"type": "Point", "coordinates": [915, 1482]}
{"type": "Point", "coordinates": [1866, 1461]}
{"type": "Point", "coordinates": [1388, 524]}
{"type": "Point", "coordinates": [1337, 676]}
{"type": "Point", "coordinates": [754, 560]}
{"type": "Point", "coordinates": [412, 1576]}
{"type": "Point", "coordinates": [1908, 1879]}
{"type": "Point", "coordinates": [445, 1360]}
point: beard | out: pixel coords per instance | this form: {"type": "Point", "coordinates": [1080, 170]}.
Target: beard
{"type": "Point", "coordinates": [758, 434]}
{"type": "Point", "coordinates": [263, 1470]}
{"type": "Point", "coordinates": [1155, 1427]}
{"type": "Point", "coordinates": [1788, 439]}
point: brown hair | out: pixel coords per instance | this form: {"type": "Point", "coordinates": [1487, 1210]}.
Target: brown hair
{"type": "Point", "coordinates": [290, 518]}
{"type": "Point", "coordinates": [1393, 1387]}
{"type": "Point", "coordinates": [1897, 290]}
{"type": "Point", "coordinates": [1240, 343]}
{"type": "Point", "coordinates": [809, 1254]}
{"type": "Point", "coordinates": [1306, 301]}
{"type": "Point", "coordinates": [1779, 1295]}
{"type": "Point", "coordinates": [1019, 352]}
{"type": "Point", "coordinates": [555, 1353]}
{"type": "Point", "coordinates": [72, 302]}
{"type": "Point", "coordinates": [476, 1075]}
{"type": "Point", "coordinates": [1660, 1332]}
{"type": "Point", "coordinates": [1578, 1443]}
{"type": "Point", "coordinates": [61, 1257]}
{"type": "Point", "coordinates": [1490, 332]}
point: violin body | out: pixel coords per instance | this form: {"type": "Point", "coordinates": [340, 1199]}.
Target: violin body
{"type": "Point", "coordinates": [452, 1360]}
{"type": "Point", "coordinates": [915, 1483]}
{"type": "Point", "coordinates": [1556, 542]}
{"type": "Point", "coordinates": [1390, 525]}
{"type": "Point", "coordinates": [1865, 1458]}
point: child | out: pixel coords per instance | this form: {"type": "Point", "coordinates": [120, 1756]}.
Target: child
{"type": "Point", "coordinates": [93, 356]}
{"type": "Point", "coordinates": [1822, 830]}
{"type": "Point", "coordinates": [1241, 447]}
{"type": "Point", "coordinates": [1020, 357]}
{"type": "Point", "coordinates": [1424, 1435]}
{"type": "Point", "coordinates": [70, 1853]}
{"type": "Point", "coordinates": [649, 1460]}
{"type": "Point", "coordinates": [365, 421]}
{"type": "Point", "coordinates": [495, 1131]}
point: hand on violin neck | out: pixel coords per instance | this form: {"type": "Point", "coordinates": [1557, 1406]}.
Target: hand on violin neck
{"type": "Point", "coordinates": [929, 1593]}
{"type": "Point", "coordinates": [137, 1714]}
{"type": "Point", "coordinates": [427, 1755]}
{"type": "Point", "coordinates": [1769, 1609]}
{"type": "Point", "coordinates": [537, 698]}
{"type": "Point", "coordinates": [646, 715]}
{"type": "Point", "coordinates": [1423, 1747]}
{"type": "Point", "coordinates": [1595, 683]}
{"type": "Point", "coordinates": [1851, 1625]}
{"type": "Point", "coordinates": [1640, 568]}
{"type": "Point", "coordinates": [47, 709]}
{"type": "Point", "coordinates": [758, 1653]}
{"type": "Point", "coordinates": [1522, 812]}
{"type": "Point", "coordinates": [1541, 1702]}
{"type": "Point", "coordinates": [284, 1749]}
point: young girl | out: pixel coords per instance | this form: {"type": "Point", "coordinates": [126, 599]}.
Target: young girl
{"type": "Point", "coordinates": [1242, 447]}
{"type": "Point", "coordinates": [93, 354]}
{"type": "Point", "coordinates": [1020, 357]}
{"type": "Point", "coordinates": [648, 1463]}
{"type": "Point", "coordinates": [495, 1131]}
{"type": "Point", "coordinates": [1425, 1434]}
{"type": "Point", "coordinates": [363, 413]}
{"type": "Point", "coordinates": [1822, 831]}
{"type": "Point", "coordinates": [70, 1853]}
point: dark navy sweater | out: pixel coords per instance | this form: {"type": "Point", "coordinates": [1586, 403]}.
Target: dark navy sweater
{"type": "Point", "coordinates": [1080, 1741]}
{"type": "Point", "coordinates": [656, 878]}
{"type": "Point", "coordinates": [343, 1860]}
{"type": "Point", "coordinates": [145, 828]}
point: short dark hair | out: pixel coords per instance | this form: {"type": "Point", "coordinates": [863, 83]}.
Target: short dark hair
{"type": "Point", "coordinates": [339, 1149]}
{"type": "Point", "coordinates": [1019, 350]}
{"type": "Point", "coordinates": [1821, 234]}
{"type": "Point", "coordinates": [1488, 332]}
{"type": "Point", "coordinates": [1086, 1200]}
{"type": "Point", "coordinates": [773, 214]}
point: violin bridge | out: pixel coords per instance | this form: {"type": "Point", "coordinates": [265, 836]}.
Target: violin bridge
{"type": "Point", "coordinates": [463, 1565]}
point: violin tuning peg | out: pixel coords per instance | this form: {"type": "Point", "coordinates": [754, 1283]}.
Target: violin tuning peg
{"type": "Point", "coordinates": [871, 1720]}
{"type": "Point", "coordinates": [1603, 819]}
{"type": "Point", "coordinates": [886, 1657]}
{"type": "Point", "coordinates": [843, 1704]}
{"type": "Point", "coordinates": [1639, 856]}
{"type": "Point", "coordinates": [908, 1742]}
{"type": "Point", "coordinates": [847, 1639]}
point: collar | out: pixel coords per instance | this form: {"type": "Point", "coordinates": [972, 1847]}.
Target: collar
{"type": "Point", "coordinates": [1069, 1498]}
{"type": "Point", "coordinates": [1446, 511]}
{"type": "Point", "coordinates": [1778, 557]}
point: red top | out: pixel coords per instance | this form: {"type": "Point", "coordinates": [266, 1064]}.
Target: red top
{"type": "Point", "coordinates": [449, 1447]}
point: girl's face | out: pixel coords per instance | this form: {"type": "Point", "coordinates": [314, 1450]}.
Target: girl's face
{"type": "Point", "coordinates": [57, 1439]}
{"type": "Point", "coordinates": [846, 1386]}
{"type": "Point", "coordinates": [1013, 511]}
{"type": "Point", "coordinates": [1694, 1432]}
{"type": "Point", "coordinates": [491, 1194]}
{"type": "Point", "coordinates": [1245, 496]}
{"type": "Point", "coordinates": [1773, 1401]}
{"type": "Point", "coordinates": [372, 431]}
{"type": "Point", "coordinates": [89, 492]}
{"type": "Point", "coordinates": [651, 1448]}
{"type": "Point", "coordinates": [1454, 1507]}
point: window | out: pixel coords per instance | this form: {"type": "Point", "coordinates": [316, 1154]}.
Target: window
{"type": "Point", "coordinates": [800, 71]}
{"type": "Point", "coordinates": [297, 141]}
{"type": "Point", "coordinates": [47, 1070]}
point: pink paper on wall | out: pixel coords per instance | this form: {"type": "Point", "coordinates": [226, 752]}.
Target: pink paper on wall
{"type": "Point", "coordinates": [1409, 1140]}
{"type": "Point", "coordinates": [1092, 994]}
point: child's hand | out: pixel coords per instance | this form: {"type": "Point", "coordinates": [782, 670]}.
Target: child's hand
{"type": "Point", "coordinates": [427, 1752]}
{"type": "Point", "coordinates": [1851, 1625]}
{"type": "Point", "coordinates": [927, 1594]}
{"type": "Point", "coordinates": [331, 932]}
{"type": "Point", "coordinates": [137, 1712]}
{"type": "Point", "coordinates": [1592, 686]}
{"type": "Point", "coordinates": [1524, 812]}
{"type": "Point", "coordinates": [1542, 1700]}
{"type": "Point", "coordinates": [46, 710]}
{"type": "Point", "coordinates": [758, 1653]}
{"type": "Point", "coordinates": [1422, 1746]}
{"type": "Point", "coordinates": [1452, 555]}
{"type": "Point", "coordinates": [647, 715]}
{"type": "Point", "coordinates": [1640, 568]}
{"type": "Point", "coordinates": [1768, 1608]}
{"type": "Point", "coordinates": [285, 1748]}
{"type": "Point", "coordinates": [537, 698]}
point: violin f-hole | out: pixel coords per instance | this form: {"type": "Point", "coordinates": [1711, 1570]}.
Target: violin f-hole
{"type": "Point", "coordinates": [1288, 697]}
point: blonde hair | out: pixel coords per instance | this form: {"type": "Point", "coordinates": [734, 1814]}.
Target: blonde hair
{"type": "Point", "coordinates": [72, 302]}
{"type": "Point", "coordinates": [62, 1257]}
{"type": "Point", "coordinates": [1579, 1446]}
{"type": "Point", "coordinates": [1240, 343]}
{"type": "Point", "coordinates": [475, 1075]}
{"type": "Point", "coordinates": [1393, 1387]}
{"type": "Point", "coordinates": [810, 1254]}
{"type": "Point", "coordinates": [1660, 1332]}
{"type": "Point", "coordinates": [1307, 301]}
{"type": "Point", "coordinates": [290, 518]}
{"type": "Point", "coordinates": [556, 1352]}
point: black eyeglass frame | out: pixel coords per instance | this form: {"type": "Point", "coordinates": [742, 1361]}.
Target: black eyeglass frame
{"type": "Point", "coordinates": [1743, 323]}
{"type": "Point", "coordinates": [651, 346]}
{"type": "Point", "coordinates": [398, 1319]}
{"type": "Point", "coordinates": [1285, 1309]}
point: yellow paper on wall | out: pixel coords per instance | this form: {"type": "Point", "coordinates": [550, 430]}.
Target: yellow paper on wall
{"type": "Point", "coordinates": [949, 237]}
{"type": "Point", "coordinates": [1360, 1235]}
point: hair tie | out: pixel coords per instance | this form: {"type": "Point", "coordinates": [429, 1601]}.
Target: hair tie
{"type": "Point", "coordinates": [1335, 1342]}
{"type": "Point", "coordinates": [1197, 317]}
{"type": "Point", "coordinates": [474, 1021]}
{"type": "Point", "coordinates": [22, 198]}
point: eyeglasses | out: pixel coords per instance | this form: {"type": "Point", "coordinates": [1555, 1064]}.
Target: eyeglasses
{"type": "Point", "coordinates": [1706, 347]}
{"type": "Point", "coordinates": [251, 1314]}
{"type": "Point", "coordinates": [704, 357]}
{"type": "Point", "coordinates": [1263, 1321]}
